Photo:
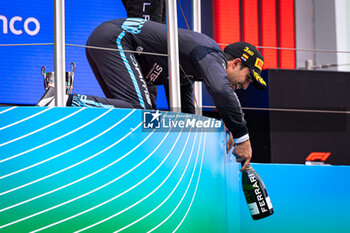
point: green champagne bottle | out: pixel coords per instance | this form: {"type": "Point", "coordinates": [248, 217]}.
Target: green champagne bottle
{"type": "Point", "coordinates": [255, 193]}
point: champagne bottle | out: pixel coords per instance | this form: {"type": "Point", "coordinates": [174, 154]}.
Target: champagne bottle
{"type": "Point", "coordinates": [255, 193]}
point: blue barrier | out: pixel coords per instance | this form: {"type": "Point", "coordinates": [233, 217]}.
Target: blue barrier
{"type": "Point", "coordinates": [305, 199]}
{"type": "Point", "coordinates": [100, 170]}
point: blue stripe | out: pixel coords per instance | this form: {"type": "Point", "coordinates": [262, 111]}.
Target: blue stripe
{"type": "Point", "coordinates": [133, 25]}
{"type": "Point", "coordinates": [131, 73]}
{"type": "Point", "coordinates": [82, 101]}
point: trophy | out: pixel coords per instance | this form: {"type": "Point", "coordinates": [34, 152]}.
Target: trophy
{"type": "Point", "coordinates": [49, 80]}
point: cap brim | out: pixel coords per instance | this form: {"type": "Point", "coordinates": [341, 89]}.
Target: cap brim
{"type": "Point", "coordinates": [258, 81]}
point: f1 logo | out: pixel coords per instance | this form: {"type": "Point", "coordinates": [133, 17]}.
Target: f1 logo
{"type": "Point", "coordinates": [322, 156]}
{"type": "Point", "coordinates": [151, 119]}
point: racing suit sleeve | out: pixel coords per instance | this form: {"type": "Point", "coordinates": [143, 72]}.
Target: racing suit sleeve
{"type": "Point", "coordinates": [187, 104]}
{"type": "Point", "coordinates": [213, 72]}
{"type": "Point", "coordinates": [150, 10]}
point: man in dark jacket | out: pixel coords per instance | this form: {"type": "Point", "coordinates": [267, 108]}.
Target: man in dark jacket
{"type": "Point", "coordinates": [123, 74]}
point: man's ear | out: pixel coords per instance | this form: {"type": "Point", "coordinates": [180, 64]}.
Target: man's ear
{"type": "Point", "coordinates": [235, 62]}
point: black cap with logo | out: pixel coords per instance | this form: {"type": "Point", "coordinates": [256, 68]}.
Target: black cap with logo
{"type": "Point", "coordinates": [250, 57]}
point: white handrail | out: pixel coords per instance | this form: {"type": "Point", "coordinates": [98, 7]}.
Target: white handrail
{"type": "Point", "coordinates": [59, 48]}
{"type": "Point", "coordinates": [173, 59]}
{"type": "Point", "coordinates": [197, 27]}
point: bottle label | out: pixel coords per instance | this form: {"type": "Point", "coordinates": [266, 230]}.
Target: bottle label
{"type": "Point", "coordinates": [253, 208]}
{"type": "Point", "coordinates": [268, 201]}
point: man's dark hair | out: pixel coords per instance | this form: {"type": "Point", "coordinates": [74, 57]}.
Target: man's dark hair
{"type": "Point", "coordinates": [229, 57]}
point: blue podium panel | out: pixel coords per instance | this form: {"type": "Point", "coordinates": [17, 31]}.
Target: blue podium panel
{"type": "Point", "coordinates": [306, 199]}
{"type": "Point", "coordinates": [101, 170]}
{"type": "Point", "coordinates": [118, 170]}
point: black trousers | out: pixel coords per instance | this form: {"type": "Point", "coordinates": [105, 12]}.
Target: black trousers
{"type": "Point", "coordinates": [118, 72]}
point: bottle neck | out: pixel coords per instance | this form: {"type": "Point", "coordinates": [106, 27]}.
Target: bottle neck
{"type": "Point", "coordinates": [248, 168]}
